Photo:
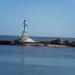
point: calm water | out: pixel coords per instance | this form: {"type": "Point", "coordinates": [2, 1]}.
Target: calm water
{"type": "Point", "coordinates": [20, 60]}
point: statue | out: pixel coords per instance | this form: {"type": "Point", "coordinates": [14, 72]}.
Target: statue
{"type": "Point", "coordinates": [25, 37]}
{"type": "Point", "coordinates": [25, 26]}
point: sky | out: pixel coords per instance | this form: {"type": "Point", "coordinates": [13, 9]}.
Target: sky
{"type": "Point", "coordinates": [48, 18]}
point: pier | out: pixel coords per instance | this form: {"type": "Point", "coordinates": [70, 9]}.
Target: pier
{"type": "Point", "coordinates": [52, 43]}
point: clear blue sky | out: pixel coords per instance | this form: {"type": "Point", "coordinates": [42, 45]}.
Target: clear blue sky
{"type": "Point", "coordinates": [53, 18]}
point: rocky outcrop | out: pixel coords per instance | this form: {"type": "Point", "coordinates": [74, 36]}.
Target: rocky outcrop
{"type": "Point", "coordinates": [53, 43]}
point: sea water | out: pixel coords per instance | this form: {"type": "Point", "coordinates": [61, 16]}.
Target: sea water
{"type": "Point", "coordinates": [36, 60]}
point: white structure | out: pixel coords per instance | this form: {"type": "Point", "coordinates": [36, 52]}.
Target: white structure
{"type": "Point", "coordinates": [24, 37]}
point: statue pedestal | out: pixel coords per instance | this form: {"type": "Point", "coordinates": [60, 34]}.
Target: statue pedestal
{"type": "Point", "coordinates": [25, 37]}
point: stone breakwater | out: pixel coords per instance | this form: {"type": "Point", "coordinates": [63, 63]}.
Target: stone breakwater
{"type": "Point", "coordinates": [53, 43]}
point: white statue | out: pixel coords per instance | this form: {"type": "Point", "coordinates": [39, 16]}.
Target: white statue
{"type": "Point", "coordinates": [25, 26]}
{"type": "Point", "coordinates": [25, 37]}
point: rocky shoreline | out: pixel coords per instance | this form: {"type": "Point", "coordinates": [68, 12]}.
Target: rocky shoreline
{"type": "Point", "coordinates": [53, 43]}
